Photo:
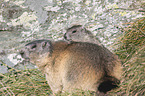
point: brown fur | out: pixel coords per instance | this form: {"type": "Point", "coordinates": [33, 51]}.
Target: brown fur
{"type": "Point", "coordinates": [78, 33]}
{"type": "Point", "coordinates": [73, 66]}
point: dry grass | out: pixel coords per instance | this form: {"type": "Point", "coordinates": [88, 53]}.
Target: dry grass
{"type": "Point", "coordinates": [24, 83]}
{"type": "Point", "coordinates": [131, 51]}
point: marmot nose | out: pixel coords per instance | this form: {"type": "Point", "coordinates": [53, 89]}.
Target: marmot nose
{"type": "Point", "coordinates": [21, 53]}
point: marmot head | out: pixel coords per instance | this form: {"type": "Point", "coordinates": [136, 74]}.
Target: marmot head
{"type": "Point", "coordinates": [37, 51]}
{"type": "Point", "coordinates": [76, 33]}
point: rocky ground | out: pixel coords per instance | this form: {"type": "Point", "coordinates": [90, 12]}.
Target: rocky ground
{"type": "Point", "coordinates": [10, 44]}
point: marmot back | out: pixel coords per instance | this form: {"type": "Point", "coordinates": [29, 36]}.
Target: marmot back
{"type": "Point", "coordinates": [93, 58]}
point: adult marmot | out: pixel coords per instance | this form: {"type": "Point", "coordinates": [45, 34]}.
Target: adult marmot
{"type": "Point", "coordinates": [78, 65]}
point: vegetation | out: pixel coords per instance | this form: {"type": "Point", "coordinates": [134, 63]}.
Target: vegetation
{"type": "Point", "coordinates": [131, 51]}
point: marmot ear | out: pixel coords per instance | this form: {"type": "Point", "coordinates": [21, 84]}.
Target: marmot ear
{"type": "Point", "coordinates": [45, 44]}
{"type": "Point", "coordinates": [83, 29]}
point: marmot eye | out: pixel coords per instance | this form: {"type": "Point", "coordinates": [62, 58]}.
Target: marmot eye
{"type": "Point", "coordinates": [74, 31]}
{"type": "Point", "coordinates": [34, 46]}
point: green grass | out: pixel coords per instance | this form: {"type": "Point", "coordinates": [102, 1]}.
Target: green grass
{"type": "Point", "coordinates": [131, 51]}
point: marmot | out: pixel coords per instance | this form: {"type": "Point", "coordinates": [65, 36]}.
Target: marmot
{"type": "Point", "coordinates": [80, 34]}
{"type": "Point", "coordinates": [78, 65]}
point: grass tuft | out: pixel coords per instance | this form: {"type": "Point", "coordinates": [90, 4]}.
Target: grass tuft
{"type": "Point", "coordinates": [131, 51]}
